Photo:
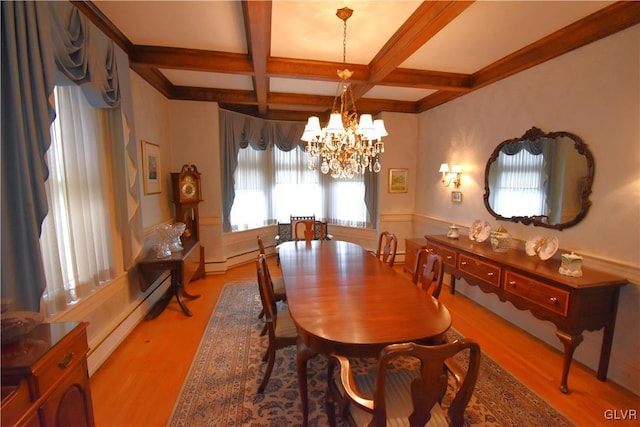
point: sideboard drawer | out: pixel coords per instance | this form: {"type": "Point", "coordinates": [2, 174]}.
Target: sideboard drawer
{"type": "Point", "coordinates": [484, 271]}
{"type": "Point", "coordinates": [61, 359]}
{"type": "Point", "coordinates": [448, 256]}
{"type": "Point", "coordinates": [553, 299]}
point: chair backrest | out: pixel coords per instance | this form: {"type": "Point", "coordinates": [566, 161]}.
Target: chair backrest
{"type": "Point", "coordinates": [429, 272]}
{"type": "Point", "coordinates": [261, 246]}
{"type": "Point", "coordinates": [309, 230]}
{"type": "Point", "coordinates": [286, 229]}
{"type": "Point", "coordinates": [387, 247]}
{"type": "Point", "coordinates": [293, 218]}
{"type": "Point", "coordinates": [265, 287]}
{"type": "Point", "coordinates": [429, 387]}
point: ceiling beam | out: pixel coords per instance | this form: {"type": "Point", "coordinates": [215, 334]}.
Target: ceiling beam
{"type": "Point", "coordinates": [257, 24]}
{"type": "Point", "coordinates": [96, 16]}
{"type": "Point", "coordinates": [427, 20]}
{"type": "Point", "coordinates": [177, 58]}
{"type": "Point", "coordinates": [317, 70]}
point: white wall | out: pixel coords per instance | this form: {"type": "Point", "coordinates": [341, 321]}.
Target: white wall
{"type": "Point", "coordinates": [195, 139]}
{"type": "Point", "coordinates": [152, 124]}
{"type": "Point", "coordinates": [401, 148]}
{"type": "Point", "coordinates": [593, 92]}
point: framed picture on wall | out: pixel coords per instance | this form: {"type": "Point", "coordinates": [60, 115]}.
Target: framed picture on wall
{"type": "Point", "coordinates": [456, 196]}
{"type": "Point", "coordinates": [398, 180]}
{"type": "Point", "coordinates": [151, 168]}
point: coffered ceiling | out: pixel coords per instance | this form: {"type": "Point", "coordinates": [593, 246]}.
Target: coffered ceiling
{"type": "Point", "coordinates": [278, 59]}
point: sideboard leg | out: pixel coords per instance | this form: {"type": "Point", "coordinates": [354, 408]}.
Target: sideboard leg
{"type": "Point", "coordinates": [570, 343]}
{"type": "Point", "coordinates": [607, 340]}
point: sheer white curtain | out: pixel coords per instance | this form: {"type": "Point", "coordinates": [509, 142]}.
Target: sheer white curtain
{"type": "Point", "coordinates": [520, 185]}
{"type": "Point", "coordinates": [77, 243]}
{"type": "Point", "coordinates": [297, 190]}
{"type": "Point", "coordinates": [273, 184]}
{"type": "Point", "coordinates": [252, 205]}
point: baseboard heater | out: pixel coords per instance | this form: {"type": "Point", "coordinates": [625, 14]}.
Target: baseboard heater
{"type": "Point", "coordinates": [141, 307]}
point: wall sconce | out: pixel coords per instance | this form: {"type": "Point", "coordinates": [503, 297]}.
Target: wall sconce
{"type": "Point", "coordinates": [450, 175]}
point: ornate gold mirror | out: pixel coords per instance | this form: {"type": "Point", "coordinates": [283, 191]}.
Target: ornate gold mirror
{"type": "Point", "coordinates": [541, 178]}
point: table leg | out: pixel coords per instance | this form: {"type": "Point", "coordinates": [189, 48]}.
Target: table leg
{"type": "Point", "coordinates": [570, 343]}
{"type": "Point", "coordinates": [303, 354]}
{"type": "Point", "coordinates": [176, 284]}
{"type": "Point", "coordinates": [188, 295]}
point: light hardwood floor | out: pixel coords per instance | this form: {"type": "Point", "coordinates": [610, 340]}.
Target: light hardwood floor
{"type": "Point", "coordinates": [139, 383]}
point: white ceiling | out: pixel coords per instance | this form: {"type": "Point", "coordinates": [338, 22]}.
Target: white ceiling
{"type": "Point", "coordinates": [482, 34]}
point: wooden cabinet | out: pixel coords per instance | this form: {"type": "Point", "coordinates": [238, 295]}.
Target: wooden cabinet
{"type": "Point", "coordinates": [411, 248]}
{"type": "Point", "coordinates": [572, 304]}
{"type": "Point", "coordinates": [45, 381]}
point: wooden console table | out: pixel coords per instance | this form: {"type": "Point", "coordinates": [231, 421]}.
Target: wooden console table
{"type": "Point", "coordinates": [45, 381]}
{"type": "Point", "coordinates": [573, 304]}
{"type": "Point", "coordinates": [185, 266]}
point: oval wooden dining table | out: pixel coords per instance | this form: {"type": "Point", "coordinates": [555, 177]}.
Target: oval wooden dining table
{"type": "Point", "coordinates": [344, 300]}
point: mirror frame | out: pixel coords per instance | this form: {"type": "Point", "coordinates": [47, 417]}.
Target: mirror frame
{"type": "Point", "coordinates": [537, 220]}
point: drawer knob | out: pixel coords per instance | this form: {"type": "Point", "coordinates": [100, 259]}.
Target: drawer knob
{"type": "Point", "coordinates": [463, 263]}
{"type": "Point", "coordinates": [66, 361]}
{"type": "Point", "coordinates": [490, 274]}
{"type": "Point", "coordinates": [513, 283]}
{"type": "Point", "coordinates": [449, 257]}
{"type": "Point", "coordinates": [554, 300]}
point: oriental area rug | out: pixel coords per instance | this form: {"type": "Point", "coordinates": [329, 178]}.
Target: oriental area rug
{"type": "Point", "coordinates": [220, 388]}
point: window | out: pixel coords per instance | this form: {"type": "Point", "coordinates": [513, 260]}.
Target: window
{"type": "Point", "coordinates": [520, 188]}
{"type": "Point", "coordinates": [271, 185]}
{"type": "Point", "coordinates": [77, 240]}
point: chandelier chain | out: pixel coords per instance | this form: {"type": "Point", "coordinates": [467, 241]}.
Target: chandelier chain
{"type": "Point", "coordinates": [344, 43]}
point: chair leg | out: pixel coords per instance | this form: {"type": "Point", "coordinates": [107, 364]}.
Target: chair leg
{"type": "Point", "coordinates": [264, 330]}
{"type": "Point", "coordinates": [261, 315]}
{"type": "Point", "coordinates": [330, 408]}
{"type": "Point", "coordinates": [267, 373]}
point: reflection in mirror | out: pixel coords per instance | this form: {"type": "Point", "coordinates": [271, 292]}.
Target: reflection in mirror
{"type": "Point", "coordinates": [541, 178]}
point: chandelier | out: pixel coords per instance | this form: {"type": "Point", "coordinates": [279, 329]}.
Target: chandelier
{"type": "Point", "coordinates": [348, 145]}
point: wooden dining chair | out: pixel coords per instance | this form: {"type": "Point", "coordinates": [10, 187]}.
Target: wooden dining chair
{"type": "Point", "coordinates": [277, 284]}
{"type": "Point", "coordinates": [309, 230]}
{"type": "Point", "coordinates": [405, 393]}
{"type": "Point", "coordinates": [387, 247]}
{"type": "Point", "coordinates": [280, 328]}
{"type": "Point", "coordinates": [429, 272]}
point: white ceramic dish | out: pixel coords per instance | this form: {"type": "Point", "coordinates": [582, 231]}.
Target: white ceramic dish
{"type": "Point", "coordinates": [548, 248]}
{"type": "Point", "coordinates": [533, 245]}
{"type": "Point", "coordinates": [479, 231]}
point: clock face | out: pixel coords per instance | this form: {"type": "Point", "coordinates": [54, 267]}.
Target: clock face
{"type": "Point", "coordinates": [188, 189]}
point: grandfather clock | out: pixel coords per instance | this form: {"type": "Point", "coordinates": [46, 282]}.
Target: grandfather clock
{"type": "Point", "coordinates": [186, 197]}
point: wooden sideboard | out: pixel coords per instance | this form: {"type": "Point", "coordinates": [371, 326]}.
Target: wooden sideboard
{"type": "Point", "coordinates": [572, 304]}
{"type": "Point", "coordinates": [411, 248]}
{"type": "Point", "coordinates": [45, 381]}
{"type": "Point", "coordinates": [185, 266]}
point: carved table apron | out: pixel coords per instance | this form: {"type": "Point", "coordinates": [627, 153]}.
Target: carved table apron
{"type": "Point", "coordinates": [572, 304]}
